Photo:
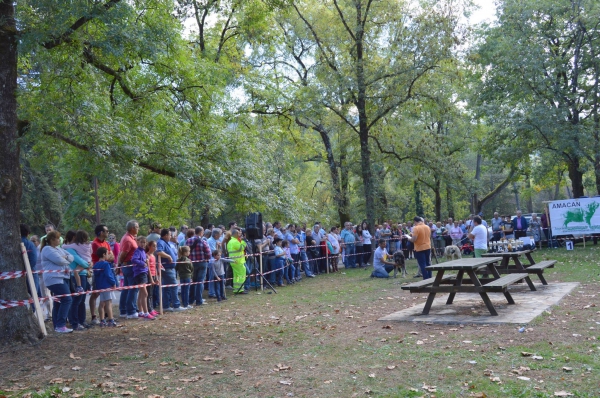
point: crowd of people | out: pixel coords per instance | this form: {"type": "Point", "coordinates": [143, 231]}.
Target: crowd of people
{"type": "Point", "coordinates": [184, 263]}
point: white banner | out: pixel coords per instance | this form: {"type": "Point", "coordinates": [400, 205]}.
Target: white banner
{"type": "Point", "coordinates": [575, 216]}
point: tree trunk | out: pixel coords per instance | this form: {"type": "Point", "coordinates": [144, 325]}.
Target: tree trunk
{"type": "Point", "coordinates": [363, 129]}
{"type": "Point", "coordinates": [516, 192]}
{"type": "Point", "coordinates": [16, 324]}
{"type": "Point", "coordinates": [438, 199]}
{"type": "Point", "coordinates": [449, 203]}
{"type": "Point", "coordinates": [418, 202]}
{"type": "Point", "coordinates": [205, 217]}
{"type": "Point", "coordinates": [474, 197]}
{"type": "Point", "coordinates": [343, 203]}
{"type": "Point", "coordinates": [576, 177]}
{"type": "Point", "coordinates": [530, 198]}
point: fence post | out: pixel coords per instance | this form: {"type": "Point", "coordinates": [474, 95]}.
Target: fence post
{"type": "Point", "coordinates": [326, 257]}
{"type": "Point", "coordinates": [160, 295]}
{"type": "Point", "coordinates": [32, 288]}
{"type": "Point", "coordinates": [260, 266]}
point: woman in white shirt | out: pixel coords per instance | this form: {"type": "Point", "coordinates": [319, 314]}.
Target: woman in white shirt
{"type": "Point", "coordinates": [367, 248]}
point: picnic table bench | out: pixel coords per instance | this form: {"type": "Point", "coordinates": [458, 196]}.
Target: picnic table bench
{"type": "Point", "coordinates": [518, 267]}
{"type": "Point", "coordinates": [459, 284]}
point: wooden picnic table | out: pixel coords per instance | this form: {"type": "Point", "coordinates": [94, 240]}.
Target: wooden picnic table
{"type": "Point", "coordinates": [517, 266]}
{"type": "Point", "coordinates": [456, 283]}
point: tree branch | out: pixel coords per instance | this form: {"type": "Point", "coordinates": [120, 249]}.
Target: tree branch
{"type": "Point", "coordinates": [142, 164]}
{"type": "Point", "coordinates": [344, 20]}
{"type": "Point", "coordinates": [66, 36]}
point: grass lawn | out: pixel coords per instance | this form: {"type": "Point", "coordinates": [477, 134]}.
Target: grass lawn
{"type": "Point", "coordinates": [321, 338]}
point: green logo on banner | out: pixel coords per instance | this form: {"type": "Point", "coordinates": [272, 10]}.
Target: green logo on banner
{"type": "Point", "coordinates": [581, 215]}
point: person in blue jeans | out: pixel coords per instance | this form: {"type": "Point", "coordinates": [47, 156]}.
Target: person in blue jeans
{"type": "Point", "coordinates": [219, 272]}
{"type": "Point", "coordinates": [167, 258]}
{"type": "Point", "coordinates": [279, 261]}
{"type": "Point", "coordinates": [56, 259]}
{"type": "Point", "coordinates": [381, 266]}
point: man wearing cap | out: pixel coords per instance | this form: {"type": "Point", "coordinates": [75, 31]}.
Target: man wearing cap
{"type": "Point", "coordinates": [421, 237]}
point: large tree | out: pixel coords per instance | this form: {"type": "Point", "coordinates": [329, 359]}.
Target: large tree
{"type": "Point", "coordinates": [540, 81]}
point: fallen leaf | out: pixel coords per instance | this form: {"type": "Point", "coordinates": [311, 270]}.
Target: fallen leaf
{"type": "Point", "coordinates": [467, 341]}
{"type": "Point", "coordinates": [328, 381]}
{"type": "Point", "coordinates": [488, 372]}
{"type": "Point", "coordinates": [150, 372]}
{"type": "Point", "coordinates": [238, 372]}
{"type": "Point", "coordinates": [478, 395]}
{"type": "Point", "coordinates": [216, 372]}
{"type": "Point", "coordinates": [126, 393]}
{"type": "Point", "coordinates": [429, 388]}
{"type": "Point", "coordinates": [414, 332]}
{"type": "Point", "coordinates": [562, 394]}
{"type": "Point", "coordinates": [72, 356]}
{"type": "Point", "coordinates": [208, 359]}
{"type": "Point", "coordinates": [48, 367]}
{"type": "Point", "coordinates": [419, 342]}
{"type": "Point", "coordinates": [391, 367]}
{"type": "Point", "coordinates": [372, 375]}
{"type": "Point", "coordinates": [387, 327]}
{"type": "Point", "coordinates": [567, 369]}
{"type": "Point", "coordinates": [163, 363]}
{"type": "Point", "coordinates": [76, 368]}
{"type": "Point", "coordinates": [495, 379]}
{"type": "Point", "coordinates": [537, 357]}
{"type": "Point", "coordinates": [523, 378]}
{"type": "Point", "coordinates": [526, 354]}
{"type": "Point", "coordinates": [166, 377]}
{"type": "Point", "coordinates": [286, 382]}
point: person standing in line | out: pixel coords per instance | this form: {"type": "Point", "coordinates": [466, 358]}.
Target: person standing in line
{"type": "Point", "coordinates": [200, 254]}
{"type": "Point", "coordinates": [520, 225]}
{"type": "Point", "coordinates": [154, 235]}
{"type": "Point", "coordinates": [169, 276]}
{"type": "Point", "coordinates": [128, 300]}
{"type": "Point", "coordinates": [214, 243]}
{"type": "Point", "coordinates": [182, 236]}
{"type": "Point", "coordinates": [105, 279]}
{"type": "Point", "coordinates": [101, 232]}
{"type": "Point", "coordinates": [55, 259]}
{"type": "Point", "coordinates": [235, 249]}
{"type": "Point", "coordinates": [421, 238]}
{"type": "Point", "coordinates": [367, 248]}
{"type": "Point", "coordinates": [32, 255]}
{"type": "Point", "coordinates": [479, 236]}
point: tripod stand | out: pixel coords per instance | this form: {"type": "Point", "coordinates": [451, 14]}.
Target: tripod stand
{"type": "Point", "coordinates": [255, 272]}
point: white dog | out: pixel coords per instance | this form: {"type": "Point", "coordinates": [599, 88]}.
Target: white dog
{"type": "Point", "coordinates": [452, 252]}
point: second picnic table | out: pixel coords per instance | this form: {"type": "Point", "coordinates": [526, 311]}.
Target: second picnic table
{"type": "Point", "coordinates": [456, 283]}
{"type": "Point", "coordinates": [505, 266]}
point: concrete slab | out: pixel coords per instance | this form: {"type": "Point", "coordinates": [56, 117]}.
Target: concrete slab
{"type": "Point", "coordinates": [469, 308]}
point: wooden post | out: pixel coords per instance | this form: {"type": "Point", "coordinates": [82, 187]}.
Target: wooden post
{"type": "Point", "coordinates": [34, 295]}
{"type": "Point", "coordinates": [160, 295]}
{"type": "Point", "coordinates": [584, 241]}
{"type": "Point", "coordinates": [260, 266]}
{"type": "Point", "coordinates": [326, 257]}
